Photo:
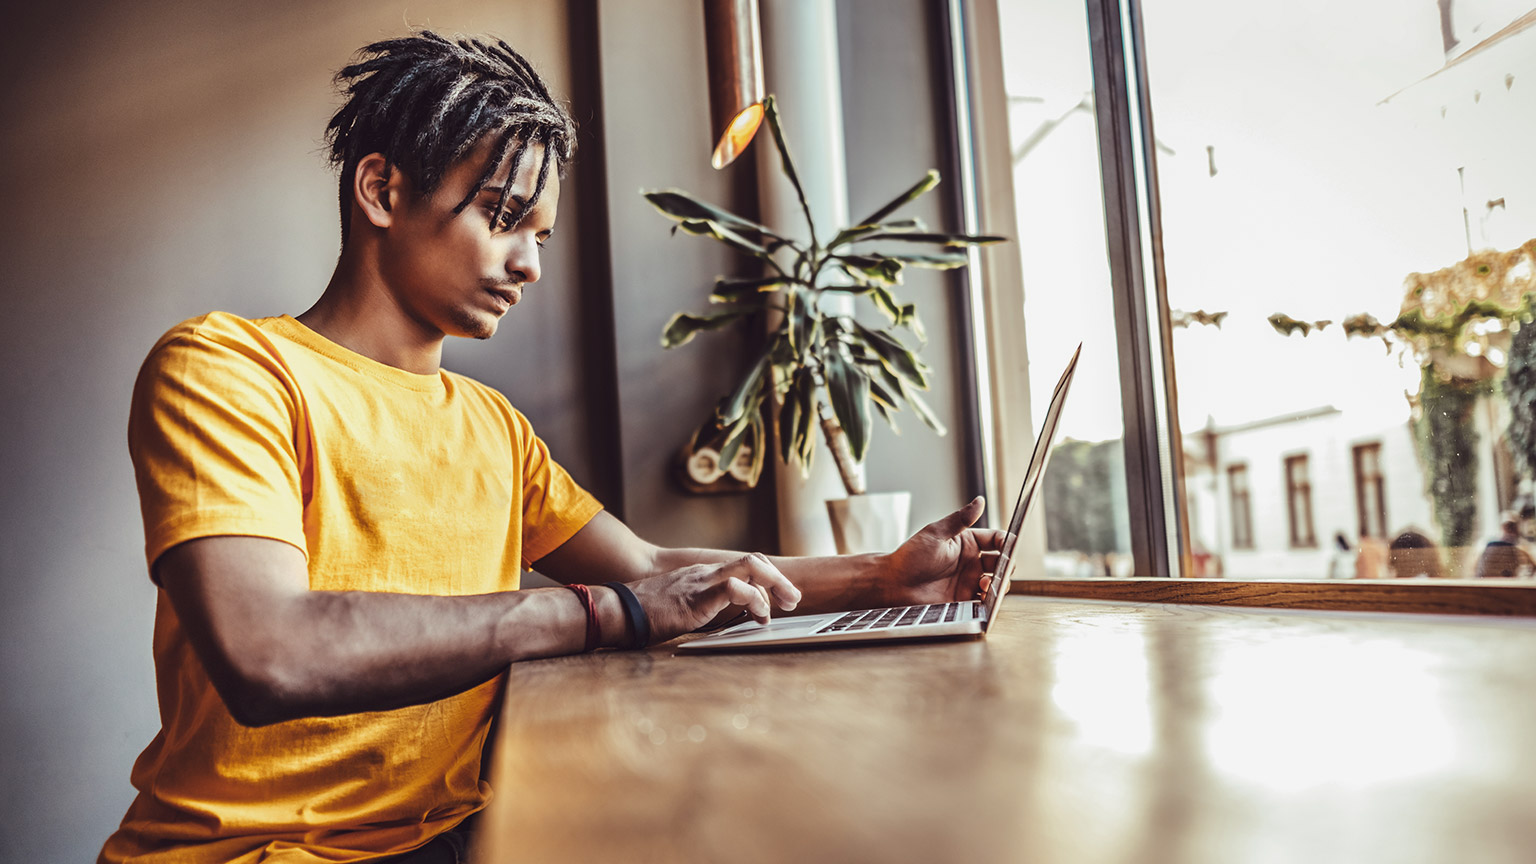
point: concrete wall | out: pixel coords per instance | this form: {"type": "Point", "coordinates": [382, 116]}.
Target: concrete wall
{"type": "Point", "coordinates": [162, 158]}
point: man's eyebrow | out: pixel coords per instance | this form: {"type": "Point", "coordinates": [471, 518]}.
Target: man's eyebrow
{"type": "Point", "coordinates": [496, 190]}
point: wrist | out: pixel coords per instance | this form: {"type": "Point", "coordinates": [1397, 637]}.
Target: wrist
{"type": "Point", "coordinates": [610, 613]}
{"type": "Point", "coordinates": [877, 573]}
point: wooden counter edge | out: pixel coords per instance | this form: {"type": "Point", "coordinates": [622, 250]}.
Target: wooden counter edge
{"type": "Point", "coordinates": [1441, 597]}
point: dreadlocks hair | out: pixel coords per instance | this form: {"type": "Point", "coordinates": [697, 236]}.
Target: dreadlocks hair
{"type": "Point", "coordinates": [424, 102]}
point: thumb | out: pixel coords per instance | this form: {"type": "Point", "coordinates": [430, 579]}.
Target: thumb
{"type": "Point", "coordinates": [961, 519]}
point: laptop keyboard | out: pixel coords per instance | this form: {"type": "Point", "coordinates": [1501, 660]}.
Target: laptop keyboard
{"type": "Point", "coordinates": [896, 616]}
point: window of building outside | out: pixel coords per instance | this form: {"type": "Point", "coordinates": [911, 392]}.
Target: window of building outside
{"type": "Point", "coordinates": [1370, 494]}
{"type": "Point", "coordinates": [1298, 499]}
{"type": "Point", "coordinates": [1348, 215]}
{"type": "Point", "coordinates": [1067, 298]}
{"type": "Point", "coordinates": [1242, 522]}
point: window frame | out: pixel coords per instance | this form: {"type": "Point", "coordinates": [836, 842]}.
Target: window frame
{"type": "Point", "coordinates": [1154, 466]}
{"type": "Point", "coordinates": [1300, 492]}
{"type": "Point", "coordinates": [1242, 516]}
{"type": "Point", "coordinates": [1378, 487]}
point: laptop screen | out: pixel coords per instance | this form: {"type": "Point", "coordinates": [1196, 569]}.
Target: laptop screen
{"type": "Point", "coordinates": [1032, 477]}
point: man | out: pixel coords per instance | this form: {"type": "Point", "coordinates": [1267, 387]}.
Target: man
{"type": "Point", "coordinates": [1503, 558]}
{"type": "Point", "coordinates": [337, 525]}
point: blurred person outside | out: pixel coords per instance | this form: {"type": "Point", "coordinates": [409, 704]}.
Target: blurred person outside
{"type": "Point", "coordinates": [1412, 555]}
{"type": "Point", "coordinates": [1504, 558]}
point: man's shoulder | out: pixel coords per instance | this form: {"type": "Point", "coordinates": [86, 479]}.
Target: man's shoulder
{"type": "Point", "coordinates": [217, 327]}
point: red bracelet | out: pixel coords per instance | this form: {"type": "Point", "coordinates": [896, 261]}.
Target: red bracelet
{"type": "Point", "coordinates": [594, 627]}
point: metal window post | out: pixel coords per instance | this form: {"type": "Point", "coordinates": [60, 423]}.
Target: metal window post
{"type": "Point", "coordinates": [1128, 162]}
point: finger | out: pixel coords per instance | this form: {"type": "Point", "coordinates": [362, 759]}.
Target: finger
{"type": "Point", "coordinates": [989, 561]}
{"type": "Point", "coordinates": [989, 539]}
{"type": "Point", "coordinates": [961, 519]}
{"type": "Point", "coordinates": [761, 572]}
{"type": "Point", "coordinates": [754, 597]}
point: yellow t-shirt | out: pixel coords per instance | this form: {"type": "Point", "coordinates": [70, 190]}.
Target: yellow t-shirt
{"type": "Point", "coordinates": [387, 481]}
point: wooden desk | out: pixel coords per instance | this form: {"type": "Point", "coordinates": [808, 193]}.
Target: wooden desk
{"type": "Point", "coordinates": [1079, 731]}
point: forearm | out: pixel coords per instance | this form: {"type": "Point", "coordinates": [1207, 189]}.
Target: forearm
{"type": "Point", "coordinates": [332, 653]}
{"type": "Point", "coordinates": [827, 584]}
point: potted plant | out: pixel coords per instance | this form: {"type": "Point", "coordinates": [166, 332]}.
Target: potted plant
{"type": "Point", "coordinates": [820, 366]}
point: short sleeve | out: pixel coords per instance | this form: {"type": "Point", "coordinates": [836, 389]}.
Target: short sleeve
{"type": "Point", "coordinates": [212, 436]}
{"type": "Point", "coordinates": [555, 507]}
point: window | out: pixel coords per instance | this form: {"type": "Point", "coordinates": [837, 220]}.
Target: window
{"type": "Point", "coordinates": [1298, 502]}
{"type": "Point", "coordinates": [1262, 259]}
{"type": "Point", "coordinates": [1370, 497]}
{"type": "Point", "coordinates": [1056, 205]}
{"type": "Point", "coordinates": [1242, 517]}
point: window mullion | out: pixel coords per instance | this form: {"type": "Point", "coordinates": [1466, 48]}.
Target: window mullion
{"type": "Point", "coordinates": [1153, 455]}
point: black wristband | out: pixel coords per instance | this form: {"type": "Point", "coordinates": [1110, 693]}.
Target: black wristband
{"type": "Point", "coordinates": [634, 613]}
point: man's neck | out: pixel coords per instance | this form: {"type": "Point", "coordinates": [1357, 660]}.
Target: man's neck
{"type": "Point", "coordinates": [357, 313]}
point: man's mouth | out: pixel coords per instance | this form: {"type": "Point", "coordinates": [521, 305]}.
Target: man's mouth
{"type": "Point", "coordinates": [508, 294]}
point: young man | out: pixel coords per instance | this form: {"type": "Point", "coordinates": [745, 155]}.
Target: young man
{"type": "Point", "coordinates": [337, 525]}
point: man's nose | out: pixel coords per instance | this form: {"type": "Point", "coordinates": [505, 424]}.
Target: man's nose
{"type": "Point", "coordinates": [523, 262]}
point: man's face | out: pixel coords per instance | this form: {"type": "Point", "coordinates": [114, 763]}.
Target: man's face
{"type": "Point", "coordinates": [455, 273]}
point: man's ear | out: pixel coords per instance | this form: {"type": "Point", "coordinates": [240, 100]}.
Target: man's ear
{"type": "Point", "coordinates": [376, 189]}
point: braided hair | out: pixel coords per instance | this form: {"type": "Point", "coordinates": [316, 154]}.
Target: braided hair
{"type": "Point", "coordinates": [424, 102]}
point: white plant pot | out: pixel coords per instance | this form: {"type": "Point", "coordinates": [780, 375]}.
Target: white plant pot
{"type": "Point", "coordinates": [870, 523]}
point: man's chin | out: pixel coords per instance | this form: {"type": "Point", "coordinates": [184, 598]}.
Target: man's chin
{"type": "Point", "coordinates": [475, 325]}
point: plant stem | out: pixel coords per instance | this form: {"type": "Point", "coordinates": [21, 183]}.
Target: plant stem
{"type": "Point", "coordinates": [837, 442]}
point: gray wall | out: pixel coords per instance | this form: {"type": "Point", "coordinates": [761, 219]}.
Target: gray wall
{"type": "Point", "coordinates": [895, 126]}
{"type": "Point", "coordinates": [161, 158]}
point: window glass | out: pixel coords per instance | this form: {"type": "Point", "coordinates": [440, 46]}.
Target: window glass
{"type": "Point", "coordinates": [1067, 300]}
{"type": "Point", "coordinates": [1348, 207]}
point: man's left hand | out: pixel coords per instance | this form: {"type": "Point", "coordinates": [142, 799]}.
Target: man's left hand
{"type": "Point", "coordinates": [948, 560]}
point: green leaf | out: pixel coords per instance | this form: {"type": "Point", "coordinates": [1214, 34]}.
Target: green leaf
{"type": "Point", "coordinates": [739, 433]}
{"type": "Point", "coordinates": [858, 232]}
{"type": "Point", "coordinates": [939, 261]}
{"type": "Point", "coordinates": [930, 180]}
{"type": "Point", "coordinates": [683, 207]}
{"type": "Point", "coordinates": [745, 290]}
{"type": "Point", "coordinates": [887, 413]}
{"type": "Point", "coordinates": [789, 421]}
{"type": "Point", "coordinates": [848, 389]}
{"type": "Point", "coordinates": [705, 228]}
{"type": "Point", "coordinates": [735, 405]}
{"type": "Point", "coordinates": [771, 112]}
{"type": "Point", "coordinates": [683, 327]}
{"type": "Point", "coordinates": [894, 355]}
{"type": "Point", "coordinates": [908, 318]}
{"type": "Point", "coordinates": [886, 301]}
{"type": "Point", "coordinates": [925, 413]}
{"type": "Point", "coordinates": [804, 433]}
{"type": "Point", "coordinates": [942, 239]}
{"type": "Point", "coordinates": [871, 268]}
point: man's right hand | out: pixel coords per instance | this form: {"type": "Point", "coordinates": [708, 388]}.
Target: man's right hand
{"type": "Point", "coordinates": [683, 600]}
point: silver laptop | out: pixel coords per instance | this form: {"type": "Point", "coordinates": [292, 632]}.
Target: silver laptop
{"type": "Point", "coordinates": [960, 618]}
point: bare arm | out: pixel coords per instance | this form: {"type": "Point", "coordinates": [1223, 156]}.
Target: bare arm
{"type": "Point", "coordinates": [276, 650]}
